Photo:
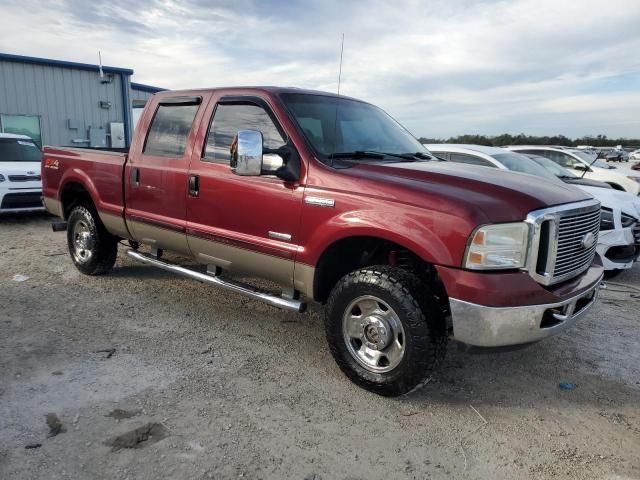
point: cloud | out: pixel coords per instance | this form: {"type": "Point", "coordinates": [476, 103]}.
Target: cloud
{"type": "Point", "coordinates": [442, 68]}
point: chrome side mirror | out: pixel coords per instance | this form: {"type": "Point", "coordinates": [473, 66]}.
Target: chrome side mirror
{"type": "Point", "coordinates": [246, 153]}
{"type": "Point", "coordinates": [271, 162]}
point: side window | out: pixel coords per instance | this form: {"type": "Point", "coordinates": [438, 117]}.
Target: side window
{"type": "Point", "coordinates": [561, 158]}
{"type": "Point", "coordinates": [169, 130]}
{"type": "Point", "coordinates": [28, 125]}
{"type": "Point", "coordinates": [533, 152]}
{"type": "Point", "coordinates": [470, 159]}
{"type": "Point", "coordinates": [441, 155]}
{"type": "Point", "coordinates": [228, 119]}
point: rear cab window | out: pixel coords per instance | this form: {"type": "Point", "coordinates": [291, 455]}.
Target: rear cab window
{"type": "Point", "coordinates": [170, 127]}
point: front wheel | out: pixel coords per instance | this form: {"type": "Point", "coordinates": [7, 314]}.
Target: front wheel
{"type": "Point", "coordinates": [93, 249]}
{"type": "Point", "coordinates": [385, 330]}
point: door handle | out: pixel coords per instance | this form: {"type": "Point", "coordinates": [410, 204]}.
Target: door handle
{"type": "Point", "coordinates": [135, 177]}
{"type": "Point", "coordinates": [194, 185]}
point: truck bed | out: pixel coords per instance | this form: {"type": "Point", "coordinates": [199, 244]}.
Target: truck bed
{"type": "Point", "coordinates": [99, 170]}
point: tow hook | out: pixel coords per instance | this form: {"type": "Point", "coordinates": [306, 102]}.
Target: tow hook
{"type": "Point", "coordinates": [59, 226]}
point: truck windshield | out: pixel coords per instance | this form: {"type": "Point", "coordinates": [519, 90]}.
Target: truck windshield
{"type": "Point", "coordinates": [336, 126]}
{"type": "Point", "coordinates": [553, 167]}
{"type": "Point", "coordinates": [19, 150]}
{"type": "Point", "coordinates": [589, 159]}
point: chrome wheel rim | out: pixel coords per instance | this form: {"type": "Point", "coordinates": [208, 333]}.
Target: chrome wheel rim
{"type": "Point", "coordinates": [83, 242]}
{"type": "Point", "coordinates": [373, 334]}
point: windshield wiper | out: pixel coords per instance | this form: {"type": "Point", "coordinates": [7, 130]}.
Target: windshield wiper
{"type": "Point", "coordinates": [411, 157]}
{"type": "Point", "coordinates": [426, 156]}
{"type": "Point", "coordinates": [358, 154]}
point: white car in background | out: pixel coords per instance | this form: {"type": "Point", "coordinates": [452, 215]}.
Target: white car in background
{"type": "Point", "coordinates": [580, 163]}
{"type": "Point", "coordinates": [619, 236]}
{"type": "Point", "coordinates": [635, 155]}
{"type": "Point", "coordinates": [20, 181]}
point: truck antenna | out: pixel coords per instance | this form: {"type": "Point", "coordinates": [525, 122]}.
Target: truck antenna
{"type": "Point", "coordinates": [340, 70]}
{"type": "Point", "coordinates": [335, 120]}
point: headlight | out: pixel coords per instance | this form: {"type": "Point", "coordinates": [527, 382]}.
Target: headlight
{"type": "Point", "coordinates": [499, 246]}
{"type": "Point", "coordinates": [627, 220]}
{"type": "Point", "coordinates": [606, 219]}
{"type": "Point", "coordinates": [637, 179]}
{"type": "Point", "coordinates": [2, 179]}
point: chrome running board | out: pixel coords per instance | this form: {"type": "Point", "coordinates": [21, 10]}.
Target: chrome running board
{"type": "Point", "coordinates": [273, 300]}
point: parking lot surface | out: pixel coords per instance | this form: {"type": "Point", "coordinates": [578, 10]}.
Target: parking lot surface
{"type": "Point", "coordinates": [208, 384]}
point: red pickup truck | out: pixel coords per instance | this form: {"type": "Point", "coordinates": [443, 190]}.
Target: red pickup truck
{"type": "Point", "coordinates": [333, 200]}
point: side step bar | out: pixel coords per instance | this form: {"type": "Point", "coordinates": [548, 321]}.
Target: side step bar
{"type": "Point", "coordinates": [284, 303]}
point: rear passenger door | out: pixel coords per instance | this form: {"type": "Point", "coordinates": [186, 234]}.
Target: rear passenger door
{"type": "Point", "coordinates": [156, 175]}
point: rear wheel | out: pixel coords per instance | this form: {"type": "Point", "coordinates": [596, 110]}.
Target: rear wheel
{"type": "Point", "coordinates": [385, 330]}
{"type": "Point", "coordinates": [93, 249]}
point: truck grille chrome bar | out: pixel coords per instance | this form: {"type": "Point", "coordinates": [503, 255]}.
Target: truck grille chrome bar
{"type": "Point", "coordinates": [563, 241]}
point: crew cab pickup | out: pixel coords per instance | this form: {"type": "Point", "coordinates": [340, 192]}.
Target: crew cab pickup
{"type": "Point", "coordinates": [333, 200]}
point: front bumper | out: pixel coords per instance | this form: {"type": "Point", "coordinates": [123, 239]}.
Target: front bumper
{"type": "Point", "coordinates": [21, 200]}
{"type": "Point", "coordinates": [519, 310]}
{"type": "Point", "coordinates": [500, 326]}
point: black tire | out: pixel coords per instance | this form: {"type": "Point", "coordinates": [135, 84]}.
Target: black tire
{"type": "Point", "coordinates": [613, 273]}
{"type": "Point", "coordinates": [101, 247]}
{"type": "Point", "coordinates": [424, 328]}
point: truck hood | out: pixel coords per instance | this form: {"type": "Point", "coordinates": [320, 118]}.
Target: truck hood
{"type": "Point", "coordinates": [614, 199]}
{"type": "Point", "coordinates": [500, 195]}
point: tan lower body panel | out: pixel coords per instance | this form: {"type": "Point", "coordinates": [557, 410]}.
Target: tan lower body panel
{"type": "Point", "coordinates": [53, 206]}
{"type": "Point", "coordinates": [228, 257]}
{"type": "Point", "coordinates": [242, 261]}
{"type": "Point", "coordinates": [158, 237]}
{"type": "Point", "coordinates": [303, 277]}
{"type": "Point", "coordinates": [114, 224]}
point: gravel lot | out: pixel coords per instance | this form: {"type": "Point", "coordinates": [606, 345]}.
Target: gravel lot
{"type": "Point", "coordinates": [242, 390]}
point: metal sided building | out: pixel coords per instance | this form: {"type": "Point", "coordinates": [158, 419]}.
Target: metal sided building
{"type": "Point", "coordinates": [63, 103]}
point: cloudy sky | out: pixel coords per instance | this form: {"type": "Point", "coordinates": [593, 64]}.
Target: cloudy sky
{"type": "Point", "coordinates": [440, 67]}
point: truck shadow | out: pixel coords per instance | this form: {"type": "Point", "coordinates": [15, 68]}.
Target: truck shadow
{"type": "Point", "coordinates": [528, 377]}
{"type": "Point", "coordinates": [24, 218]}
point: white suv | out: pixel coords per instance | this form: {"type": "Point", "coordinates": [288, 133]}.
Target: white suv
{"type": "Point", "coordinates": [20, 182]}
{"type": "Point", "coordinates": [580, 163]}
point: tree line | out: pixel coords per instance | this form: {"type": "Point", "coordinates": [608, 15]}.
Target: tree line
{"type": "Point", "coordinates": [522, 139]}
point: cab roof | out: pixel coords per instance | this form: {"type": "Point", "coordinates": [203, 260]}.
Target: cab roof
{"type": "Point", "coordinates": [16, 136]}
{"type": "Point", "coordinates": [254, 89]}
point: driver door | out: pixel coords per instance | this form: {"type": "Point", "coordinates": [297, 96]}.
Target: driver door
{"type": "Point", "coordinates": [243, 224]}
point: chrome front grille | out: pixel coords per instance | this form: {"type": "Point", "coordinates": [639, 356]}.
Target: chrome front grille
{"type": "Point", "coordinates": [563, 241]}
{"type": "Point", "coordinates": [571, 255]}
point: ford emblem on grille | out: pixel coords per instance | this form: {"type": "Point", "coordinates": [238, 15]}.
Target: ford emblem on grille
{"type": "Point", "coordinates": [31, 173]}
{"type": "Point", "coordinates": [588, 240]}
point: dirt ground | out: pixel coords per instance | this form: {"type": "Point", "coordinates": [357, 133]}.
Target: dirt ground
{"type": "Point", "coordinates": [208, 384]}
